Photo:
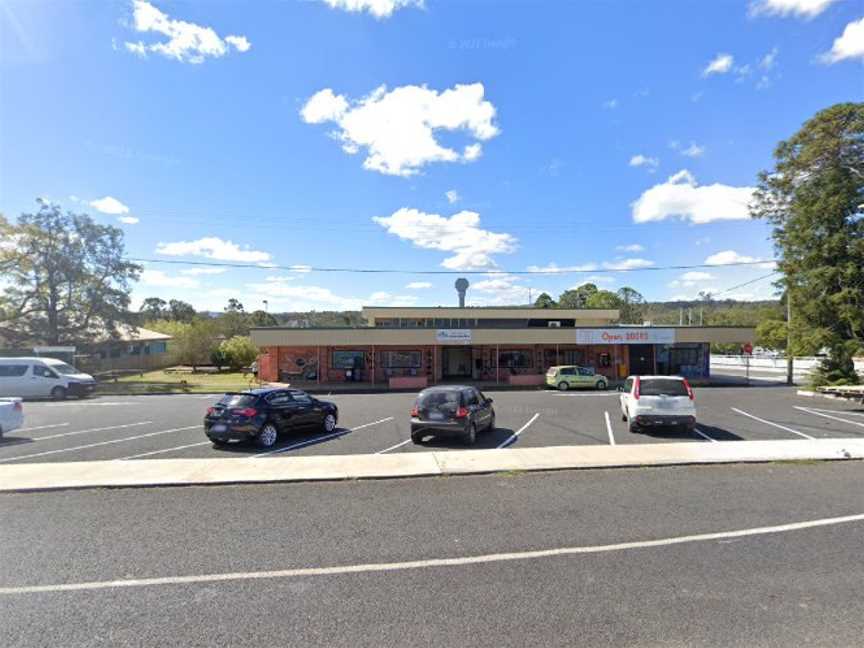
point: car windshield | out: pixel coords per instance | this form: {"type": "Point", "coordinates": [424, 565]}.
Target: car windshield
{"type": "Point", "coordinates": [63, 368]}
{"type": "Point", "coordinates": [238, 400]}
{"type": "Point", "coordinates": [662, 387]}
{"type": "Point", "coordinates": [439, 400]}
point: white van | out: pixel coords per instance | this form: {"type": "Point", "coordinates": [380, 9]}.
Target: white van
{"type": "Point", "coordinates": [43, 378]}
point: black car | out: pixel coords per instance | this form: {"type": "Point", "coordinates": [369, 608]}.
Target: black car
{"type": "Point", "coordinates": [452, 411]}
{"type": "Point", "coordinates": [262, 414]}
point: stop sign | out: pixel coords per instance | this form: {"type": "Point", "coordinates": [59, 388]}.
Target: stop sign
{"type": "Point", "coordinates": [747, 348]}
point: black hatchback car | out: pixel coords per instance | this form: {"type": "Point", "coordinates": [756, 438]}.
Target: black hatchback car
{"type": "Point", "coordinates": [451, 411]}
{"type": "Point", "coordinates": [262, 414]}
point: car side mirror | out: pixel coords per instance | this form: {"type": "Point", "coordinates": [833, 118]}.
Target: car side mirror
{"type": "Point", "coordinates": [621, 388]}
{"type": "Point", "coordinates": [489, 400]}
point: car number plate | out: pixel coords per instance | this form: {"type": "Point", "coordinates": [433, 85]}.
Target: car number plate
{"type": "Point", "coordinates": [665, 404]}
{"type": "Point", "coordinates": [219, 427]}
{"type": "Point", "coordinates": [436, 416]}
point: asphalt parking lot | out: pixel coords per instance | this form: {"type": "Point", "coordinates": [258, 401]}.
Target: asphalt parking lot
{"type": "Point", "coordinates": [170, 427]}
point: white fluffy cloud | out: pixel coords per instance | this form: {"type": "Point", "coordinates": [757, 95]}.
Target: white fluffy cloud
{"type": "Point", "coordinates": [306, 298]}
{"type": "Point", "coordinates": [694, 150]}
{"type": "Point", "coordinates": [640, 160]}
{"type": "Point", "coordinates": [691, 279]}
{"type": "Point", "coordinates": [501, 290]}
{"type": "Point", "coordinates": [397, 129]}
{"type": "Point", "coordinates": [720, 64]}
{"type": "Point", "coordinates": [554, 268]}
{"type": "Point", "coordinates": [159, 279]}
{"type": "Point", "coordinates": [203, 271]}
{"type": "Point", "coordinates": [212, 247]}
{"type": "Point", "coordinates": [727, 257]}
{"type": "Point", "coordinates": [799, 8]}
{"type": "Point", "coordinates": [460, 234]}
{"type": "Point", "coordinates": [186, 42]}
{"type": "Point", "coordinates": [633, 247]}
{"type": "Point", "coordinates": [627, 264]}
{"type": "Point", "coordinates": [109, 205]}
{"type": "Point", "coordinates": [610, 104]}
{"type": "Point", "coordinates": [681, 196]}
{"type": "Point", "coordinates": [849, 45]}
{"type": "Point", "coordinates": [453, 196]}
{"type": "Point", "coordinates": [378, 8]}
{"type": "Point", "coordinates": [128, 220]}
{"type": "Point", "coordinates": [418, 285]}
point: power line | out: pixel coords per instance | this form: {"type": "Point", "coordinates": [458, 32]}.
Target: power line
{"type": "Point", "coordinates": [548, 271]}
{"type": "Point", "coordinates": [747, 283]}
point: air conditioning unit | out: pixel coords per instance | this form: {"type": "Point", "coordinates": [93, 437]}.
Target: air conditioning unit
{"type": "Point", "coordinates": [554, 324]}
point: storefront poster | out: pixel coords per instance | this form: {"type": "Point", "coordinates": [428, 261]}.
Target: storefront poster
{"type": "Point", "coordinates": [618, 335]}
{"type": "Point", "coordinates": [453, 336]}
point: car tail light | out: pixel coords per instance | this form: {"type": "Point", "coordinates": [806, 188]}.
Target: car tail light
{"type": "Point", "coordinates": [18, 406]}
{"type": "Point", "coordinates": [211, 411]}
{"type": "Point", "coordinates": [462, 412]}
{"type": "Point", "coordinates": [636, 389]}
{"type": "Point", "coordinates": [415, 412]}
{"type": "Point", "coordinates": [689, 390]}
{"type": "Point", "coordinates": [246, 411]}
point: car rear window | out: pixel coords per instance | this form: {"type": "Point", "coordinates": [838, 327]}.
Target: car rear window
{"type": "Point", "coordinates": [238, 400]}
{"type": "Point", "coordinates": [439, 400]}
{"type": "Point", "coordinates": [662, 387]}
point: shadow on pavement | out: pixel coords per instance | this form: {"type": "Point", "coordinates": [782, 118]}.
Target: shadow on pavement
{"type": "Point", "coordinates": [485, 440]}
{"type": "Point", "coordinates": [14, 441]}
{"type": "Point", "coordinates": [286, 442]}
{"type": "Point", "coordinates": [673, 434]}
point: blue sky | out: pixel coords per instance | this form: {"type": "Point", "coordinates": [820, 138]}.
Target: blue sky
{"type": "Point", "coordinates": [570, 135]}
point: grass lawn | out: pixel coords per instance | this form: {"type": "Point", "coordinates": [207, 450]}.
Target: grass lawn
{"type": "Point", "coordinates": [153, 382]}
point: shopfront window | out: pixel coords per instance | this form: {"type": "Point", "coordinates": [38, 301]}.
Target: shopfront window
{"type": "Point", "coordinates": [518, 359]}
{"type": "Point", "coordinates": [349, 359]}
{"type": "Point", "coordinates": [572, 357]}
{"type": "Point", "coordinates": [402, 359]}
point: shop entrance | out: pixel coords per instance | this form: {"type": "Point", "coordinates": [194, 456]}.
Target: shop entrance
{"type": "Point", "coordinates": [641, 359]}
{"type": "Point", "coordinates": [456, 362]}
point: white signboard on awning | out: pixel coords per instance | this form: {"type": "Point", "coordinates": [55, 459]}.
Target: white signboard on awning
{"type": "Point", "coordinates": [620, 335]}
{"type": "Point", "coordinates": [453, 336]}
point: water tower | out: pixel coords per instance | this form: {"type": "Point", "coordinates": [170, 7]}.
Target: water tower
{"type": "Point", "coordinates": [461, 287]}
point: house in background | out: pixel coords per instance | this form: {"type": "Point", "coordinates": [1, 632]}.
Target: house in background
{"type": "Point", "coordinates": [132, 347]}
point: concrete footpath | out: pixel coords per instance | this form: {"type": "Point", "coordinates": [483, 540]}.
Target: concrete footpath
{"type": "Point", "coordinates": [188, 472]}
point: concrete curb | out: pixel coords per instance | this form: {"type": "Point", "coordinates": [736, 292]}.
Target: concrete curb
{"type": "Point", "coordinates": [189, 472]}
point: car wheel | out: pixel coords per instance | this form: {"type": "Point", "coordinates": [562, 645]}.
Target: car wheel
{"type": "Point", "coordinates": [267, 436]}
{"type": "Point", "coordinates": [623, 417]}
{"type": "Point", "coordinates": [471, 435]}
{"type": "Point", "coordinates": [416, 438]}
{"type": "Point", "coordinates": [218, 443]}
{"type": "Point", "coordinates": [491, 427]}
{"type": "Point", "coordinates": [58, 393]}
{"type": "Point", "coordinates": [329, 423]}
{"type": "Point", "coordinates": [601, 385]}
{"type": "Point", "coordinates": [633, 428]}
{"type": "Point", "coordinates": [562, 386]}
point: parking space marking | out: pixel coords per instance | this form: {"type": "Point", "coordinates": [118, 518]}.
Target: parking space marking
{"type": "Point", "coordinates": [94, 445]}
{"type": "Point", "coordinates": [777, 425]}
{"type": "Point", "coordinates": [319, 439]}
{"type": "Point", "coordinates": [427, 563]}
{"type": "Point", "coordinates": [99, 429]}
{"type": "Point", "coordinates": [42, 427]}
{"type": "Point", "coordinates": [93, 404]}
{"type": "Point", "coordinates": [155, 452]}
{"type": "Point", "coordinates": [609, 429]}
{"type": "Point", "coordinates": [843, 412]}
{"type": "Point", "coordinates": [704, 436]}
{"type": "Point", "coordinates": [393, 447]}
{"type": "Point", "coordinates": [833, 418]}
{"type": "Point", "coordinates": [512, 438]}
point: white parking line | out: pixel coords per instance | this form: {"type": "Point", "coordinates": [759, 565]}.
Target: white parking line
{"type": "Point", "coordinates": [318, 439]}
{"type": "Point", "coordinates": [155, 452]}
{"type": "Point", "coordinates": [777, 425]}
{"type": "Point", "coordinates": [456, 561]}
{"type": "Point", "coordinates": [100, 443]}
{"type": "Point", "coordinates": [393, 447]}
{"type": "Point", "coordinates": [704, 436]}
{"type": "Point", "coordinates": [609, 429]}
{"type": "Point", "coordinates": [843, 412]}
{"type": "Point", "coordinates": [99, 429]}
{"type": "Point", "coordinates": [516, 434]}
{"type": "Point", "coordinates": [92, 404]}
{"type": "Point", "coordinates": [42, 427]}
{"type": "Point", "coordinates": [833, 418]}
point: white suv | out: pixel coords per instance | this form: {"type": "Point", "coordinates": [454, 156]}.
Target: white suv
{"type": "Point", "coordinates": [658, 401]}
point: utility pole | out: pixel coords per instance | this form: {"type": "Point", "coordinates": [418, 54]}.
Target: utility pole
{"type": "Point", "coordinates": [790, 358]}
{"type": "Point", "coordinates": [530, 302]}
{"type": "Point", "coordinates": [681, 316]}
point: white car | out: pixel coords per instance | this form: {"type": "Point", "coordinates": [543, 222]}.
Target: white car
{"type": "Point", "coordinates": [658, 401]}
{"type": "Point", "coordinates": [43, 378]}
{"type": "Point", "coordinates": [11, 415]}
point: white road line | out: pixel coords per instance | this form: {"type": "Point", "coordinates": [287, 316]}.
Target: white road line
{"type": "Point", "coordinates": [833, 418]}
{"type": "Point", "coordinates": [94, 445]}
{"type": "Point", "coordinates": [704, 436]}
{"type": "Point", "coordinates": [94, 404]}
{"type": "Point", "coordinates": [364, 568]}
{"type": "Point", "coordinates": [318, 439]}
{"type": "Point", "coordinates": [777, 425]}
{"type": "Point", "coordinates": [516, 434]}
{"type": "Point", "coordinates": [393, 447]}
{"type": "Point", "coordinates": [99, 429]}
{"type": "Point", "coordinates": [42, 427]}
{"type": "Point", "coordinates": [609, 429]}
{"type": "Point", "coordinates": [155, 452]}
{"type": "Point", "coordinates": [843, 412]}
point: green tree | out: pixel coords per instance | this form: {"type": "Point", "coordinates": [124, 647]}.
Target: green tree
{"type": "Point", "coordinates": [192, 342]}
{"type": "Point", "coordinates": [234, 306]}
{"type": "Point", "coordinates": [576, 297]}
{"type": "Point", "coordinates": [153, 308]}
{"type": "Point", "coordinates": [545, 301]}
{"type": "Point", "coordinates": [604, 299]}
{"type": "Point", "coordinates": [813, 199]}
{"type": "Point", "coordinates": [262, 318]}
{"type": "Point", "coordinates": [181, 311]}
{"type": "Point", "coordinates": [234, 320]}
{"type": "Point", "coordinates": [66, 280]}
{"type": "Point", "coordinates": [239, 351]}
{"type": "Point", "coordinates": [772, 334]}
{"type": "Point", "coordinates": [632, 302]}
